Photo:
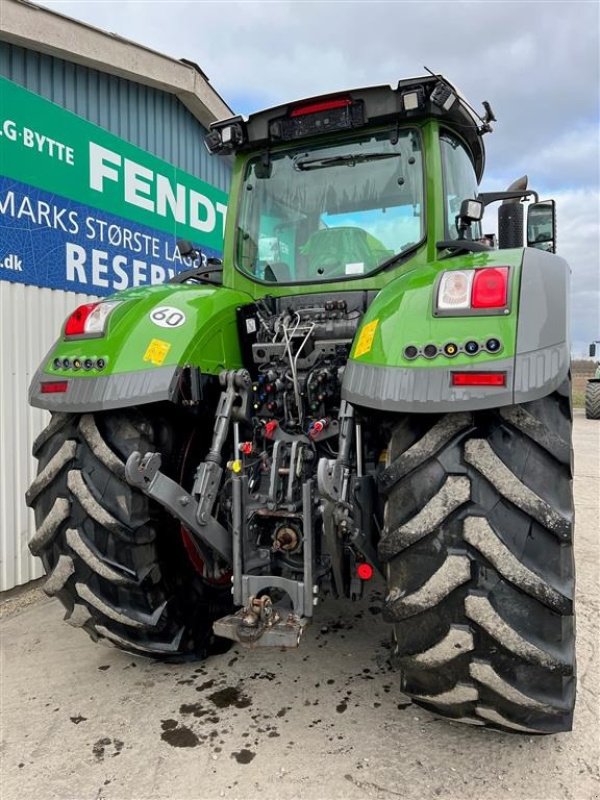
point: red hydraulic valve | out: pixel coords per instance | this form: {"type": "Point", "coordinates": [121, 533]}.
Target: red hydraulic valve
{"type": "Point", "coordinates": [270, 428]}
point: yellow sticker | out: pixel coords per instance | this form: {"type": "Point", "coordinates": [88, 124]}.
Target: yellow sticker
{"type": "Point", "coordinates": [365, 340]}
{"type": "Point", "coordinates": [156, 352]}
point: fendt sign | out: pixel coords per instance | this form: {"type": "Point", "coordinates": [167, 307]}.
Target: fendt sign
{"type": "Point", "coordinates": [84, 211]}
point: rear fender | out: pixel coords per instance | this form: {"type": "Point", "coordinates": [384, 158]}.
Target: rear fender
{"type": "Point", "coordinates": [142, 353]}
{"type": "Point", "coordinates": [533, 332]}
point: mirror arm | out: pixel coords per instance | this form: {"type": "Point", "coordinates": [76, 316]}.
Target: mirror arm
{"type": "Point", "coordinates": [491, 197]}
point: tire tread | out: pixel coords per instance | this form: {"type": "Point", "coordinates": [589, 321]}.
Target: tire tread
{"type": "Point", "coordinates": [592, 400]}
{"type": "Point", "coordinates": [114, 559]}
{"type": "Point", "coordinates": [496, 648]}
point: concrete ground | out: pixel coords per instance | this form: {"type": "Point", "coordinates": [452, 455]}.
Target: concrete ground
{"type": "Point", "coordinates": [326, 721]}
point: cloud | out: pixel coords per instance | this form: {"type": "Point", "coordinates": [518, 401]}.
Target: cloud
{"type": "Point", "coordinates": [536, 62]}
{"type": "Point", "coordinates": [571, 158]}
{"type": "Point", "coordinates": [578, 241]}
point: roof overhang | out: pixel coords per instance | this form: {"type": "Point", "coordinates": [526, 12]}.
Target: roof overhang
{"type": "Point", "coordinates": [37, 28]}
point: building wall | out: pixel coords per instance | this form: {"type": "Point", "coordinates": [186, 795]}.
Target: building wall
{"type": "Point", "coordinates": [148, 118]}
{"type": "Point", "coordinates": [24, 344]}
{"type": "Point", "coordinates": [30, 316]}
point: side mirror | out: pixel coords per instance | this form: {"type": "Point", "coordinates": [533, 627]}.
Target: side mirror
{"type": "Point", "coordinates": [185, 248]}
{"type": "Point", "coordinates": [541, 226]}
{"type": "Point", "coordinates": [593, 350]}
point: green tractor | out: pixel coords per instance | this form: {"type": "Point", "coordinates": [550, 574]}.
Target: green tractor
{"type": "Point", "coordinates": [592, 389]}
{"type": "Point", "coordinates": [367, 385]}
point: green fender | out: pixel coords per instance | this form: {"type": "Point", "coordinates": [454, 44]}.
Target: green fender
{"type": "Point", "coordinates": [142, 358]}
{"type": "Point", "coordinates": [532, 331]}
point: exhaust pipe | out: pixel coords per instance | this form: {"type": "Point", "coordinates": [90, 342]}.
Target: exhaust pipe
{"type": "Point", "coordinates": [511, 217]}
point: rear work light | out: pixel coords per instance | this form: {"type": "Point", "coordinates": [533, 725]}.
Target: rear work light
{"type": "Point", "coordinates": [225, 135]}
{"type": "Point", "coordinates": [89, 320]}
{"type": "Point", "coordinates": [54, 387]}
{"type": "Point", "coordinates": [478, 378]}
{"type": "Point", "coordinates": [478, 290]}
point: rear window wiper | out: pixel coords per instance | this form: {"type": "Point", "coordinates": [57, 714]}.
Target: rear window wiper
{"type": "Point", "coordinates": [349, 160]}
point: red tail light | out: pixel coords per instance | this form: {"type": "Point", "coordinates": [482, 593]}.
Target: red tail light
{"type": "Point", "coordinates": [322, 105]}
{"type": "Point", "coordinates": [75, 324]}
{"type": "Point", "coordinates": [479, 379]}
{"type": "Point", "coordinates": [54, 387]}
{"type": "Point", "coordinates": [464, 290]}
{"type": "Point", "coordinates": [89, 319]}
{"type": "Point", "coordinates": [490, 288]}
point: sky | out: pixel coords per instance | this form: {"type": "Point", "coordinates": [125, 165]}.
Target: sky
{"type": "Point", "coordinates": [537, 63]}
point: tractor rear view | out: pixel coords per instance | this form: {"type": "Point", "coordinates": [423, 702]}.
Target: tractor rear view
{"type": "Point", "coordinates": [592, 389]}
{"type": "Point", "coordinates": [367, 384]}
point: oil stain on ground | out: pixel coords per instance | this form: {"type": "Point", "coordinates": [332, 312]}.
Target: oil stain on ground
{"type": "Point", "coordinates": [230, 696]}
{"type": "Point", "coordinates": [100, 747]}
{"type": "Point", "coordinates": [197, 709]}
{"type": "Point", "coordinates": [178, 735]}
{"type": "Point", "coordinates": [243, 756]}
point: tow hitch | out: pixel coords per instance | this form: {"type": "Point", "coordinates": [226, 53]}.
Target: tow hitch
{"type": "Point", "coordinates": [261, 624]}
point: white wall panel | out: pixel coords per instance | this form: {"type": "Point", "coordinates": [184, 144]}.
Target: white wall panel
{"type": "Point", "coordinates": [30, 321]}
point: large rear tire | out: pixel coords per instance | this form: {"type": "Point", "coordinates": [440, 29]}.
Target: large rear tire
{"type": "Point", "coordinates": [115, 559]}
{"type": "Point", "coordinates": [592, 399]}
{"type": "Point", "coordinates": [478, 543]}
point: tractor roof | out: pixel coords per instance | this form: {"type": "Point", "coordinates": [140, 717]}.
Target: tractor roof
{"type": "Point", "coordinates": [412, 99]}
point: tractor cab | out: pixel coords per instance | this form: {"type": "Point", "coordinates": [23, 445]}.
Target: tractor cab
{"type": "Point", "coordinates": [347, 186]}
